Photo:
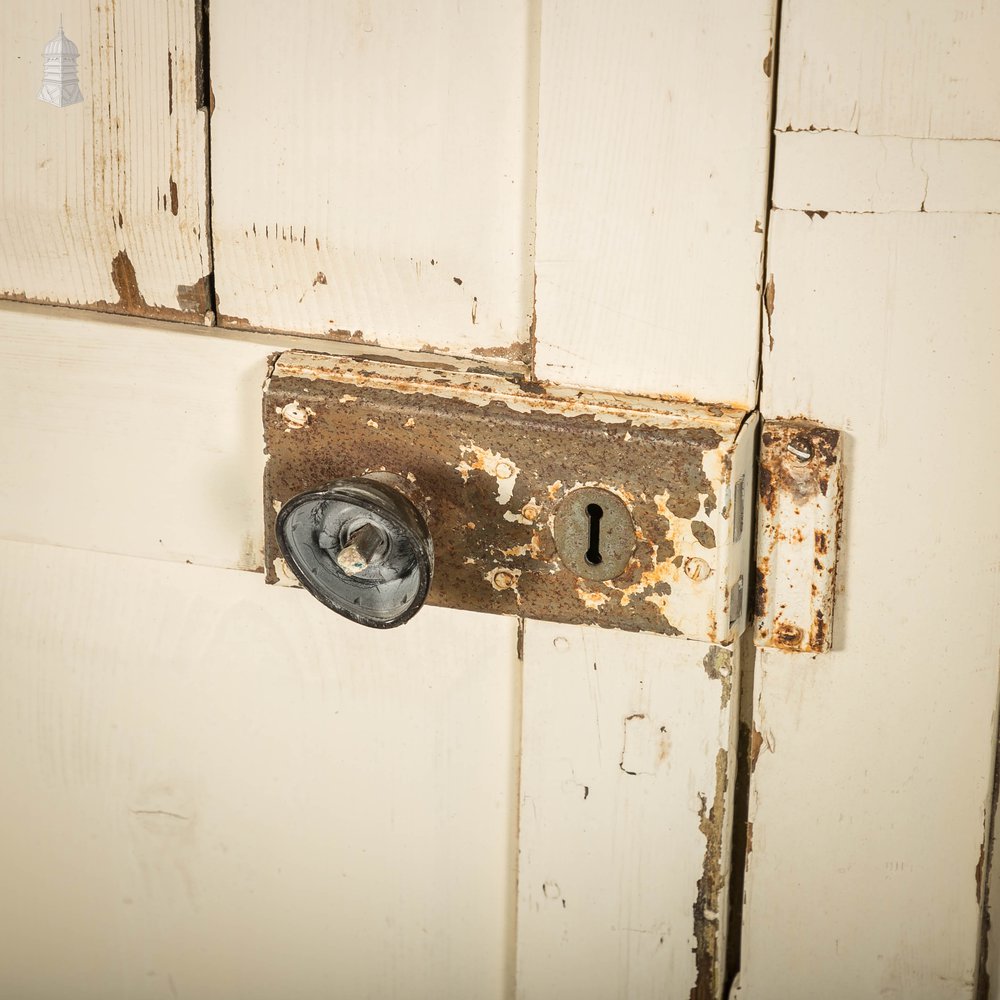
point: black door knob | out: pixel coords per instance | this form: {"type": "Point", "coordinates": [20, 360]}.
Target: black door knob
{"type": "Point", "coordinates": [361, 547]}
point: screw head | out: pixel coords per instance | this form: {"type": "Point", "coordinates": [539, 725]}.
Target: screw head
{"type": "Point", "coordinates": [697, 569]}
{"type": "Point", "coordinates": [801, 448]}
{"type": "Point", "coordinates": [295, 414]}
{"type": "Point", "coordinates": [503, 578]}
{"type": "Point", "coordinates": [530, 511]}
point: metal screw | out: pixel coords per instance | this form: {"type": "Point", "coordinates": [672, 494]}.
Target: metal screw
{"type": "Point", "coordinates": [504, 470]}
{"type": "Point", "coordinates": [530, 511]}
{"type": "Point", "coordinates": [295, 414]}
{"type": "Point", "coordinates": [789, 634]}
{"type": "Point", "coordinates": [363, 549]}
{"type": "Point", "coordinates": [697, 569]}
{"type": "Point", "coordinates": [801, 448]}
{"type": "Point", "coordinates": [503, 579]}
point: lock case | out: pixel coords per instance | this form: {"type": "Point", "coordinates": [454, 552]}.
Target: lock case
{"type": "Point", "coordinates": [497, 462]}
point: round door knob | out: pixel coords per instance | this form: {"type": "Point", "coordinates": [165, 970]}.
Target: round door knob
{"type": "Point", "coordinates": [361, 547]}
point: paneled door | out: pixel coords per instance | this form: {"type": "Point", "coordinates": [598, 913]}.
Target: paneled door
{"type": "Point", "coordinates": [220, 788]}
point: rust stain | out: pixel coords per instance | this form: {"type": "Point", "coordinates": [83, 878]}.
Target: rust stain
{"type": "Point", "coordinates": [769, 309]}
{"type": "Point", "coordinates": [519, 351]}
{"type": "Point", "coordinates": [801, 506]}
{"type": "Point", "coordinates": [718, 664]}
{"type": "Point", "coordinates": [453, 423]}
{"type": "Point", "coordinates": [707, 918]}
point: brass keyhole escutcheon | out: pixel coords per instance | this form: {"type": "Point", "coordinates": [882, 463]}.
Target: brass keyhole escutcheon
{"type": "Point", "coordinates": [594, 533]}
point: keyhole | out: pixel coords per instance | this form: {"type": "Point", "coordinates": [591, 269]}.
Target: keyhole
{"type": "Point", "coordinates": [595, 512]}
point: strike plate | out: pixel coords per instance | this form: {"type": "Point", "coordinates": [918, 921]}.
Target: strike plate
{"type": "Point", "coordinates": [798, 530]}
{"type": "Point", "coordinates": [497, 463]}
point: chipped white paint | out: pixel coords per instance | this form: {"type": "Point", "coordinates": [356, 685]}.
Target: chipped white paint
{"type": "Point", "coordinates": [798, 531]}
{"type": "Point", "coordinates": [482, 389]}
{"type": "Point", "coordinates": [705, 558]}
{"type": "Point", "coordinates": [386, 191]}
{"type": "Point", "coordinates": [295, 415]}
{"type": "Point", "coordinates": [528, 513]}
{"type": "Point", "coordinates": [504, 578]}
{"type": "Point", "coordinates": [868, 810]}
{"type": "Point", "coordinates": [285, 577]}
{"type": "Point", "coordinates": [622, 736]}
{"type": "Point", "coordinates": [893, 68]}
{"type": "Point", "coordinates": [502, 469]}
{"type": "Point", "coordinates": [120, 176]}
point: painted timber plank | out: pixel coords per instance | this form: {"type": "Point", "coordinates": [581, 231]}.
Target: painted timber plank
{"type": "Point", "coordinates": [626, 788]}
{"type": "Point", "coordinates": [874, 762]}
{"type": "Point", "coordinates": [221, 790]}
{"type": "Point", "coordinates": [103, 203]}
{"type": "Point", "coordinates": [376, 182]}
{"type": "Point", "coordinates": [924, 70]}
{"type": "Point", "coordinates": [652, 178]}
{"type": "Point", "coordinates": [844, 172]}
{"type": "Point", "coordinates": [134, 437]}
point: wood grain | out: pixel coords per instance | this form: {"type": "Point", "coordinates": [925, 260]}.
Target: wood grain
{"type": "Point", "coordinates": [104, 204]}
{"type": "Point", "coordinates": [626, 793]}
{"type": "Point", "coordinates": [223, 790]}
{"type": "Point", "coordinates": [652, 179]}
{"type": "Point", "coordinates": [923, 70]}
{"type": "Point", "coordinates": [376, 183]}
{"type": "Point", "coordinates": [874, 762]}
{"type": "Point", "coordinates": [844, 172]}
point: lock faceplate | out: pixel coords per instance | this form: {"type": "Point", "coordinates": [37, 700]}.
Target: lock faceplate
{"type": "Point", "coordinates": [495, 462]}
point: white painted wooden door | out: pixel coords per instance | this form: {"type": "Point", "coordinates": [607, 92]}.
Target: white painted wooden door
{"type": "Point", "coordinates": [217, 789]}
{"type": "Point", "coordinates": [223, 790]}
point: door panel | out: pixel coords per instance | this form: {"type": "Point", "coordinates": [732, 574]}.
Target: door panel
{"type": "Point", "coordinates": [224, 791]}
{"type": "Point", "coordinates": [103, 203]}
{"type": "Point", "coordinates": [627, 763]}
{"type": "Point", "coordinates": [871, 794]}
{"type": "Point", "coordinates": [652, 182]}
{"type": "Point", "coordinates": [373, 171]}
{"type": "Point", "coordinates": [373, 180]}
{"type": "Point", "coordinates": [922, 70]}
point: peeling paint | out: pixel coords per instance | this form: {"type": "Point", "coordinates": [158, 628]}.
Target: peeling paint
{"type": "Point", "coordinates": [718, 664]}
{"type": "Point", "coordinates": [501, 468]}
{"type": "Point", "coordinates": [493, 455]}
{"type": "Point", "coordinates": [801, 504]}
{"type": "Point", "coordinates": [707, 918]}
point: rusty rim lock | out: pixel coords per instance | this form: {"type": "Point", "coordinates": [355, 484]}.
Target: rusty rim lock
{"type": "Point", "coordinates": [361, 547]}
